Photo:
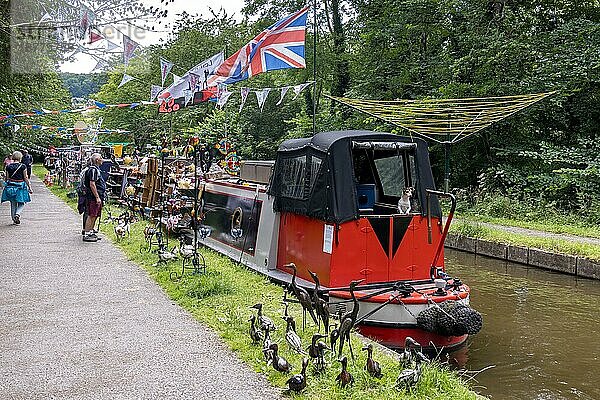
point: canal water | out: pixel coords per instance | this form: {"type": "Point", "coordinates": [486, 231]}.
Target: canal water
{"type": "Point", "coordinates": [541, 330]}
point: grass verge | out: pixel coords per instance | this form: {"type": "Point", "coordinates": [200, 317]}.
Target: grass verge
{"type": "Point", "coordinates": [475, 230]}
{"type": "Point", "coordinates": [221, 299]}
{"type": "Point", "coordinates": [547, 226]}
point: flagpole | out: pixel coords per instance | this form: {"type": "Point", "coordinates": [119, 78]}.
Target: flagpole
{"type": "Point", "coordinates": [315, 67]}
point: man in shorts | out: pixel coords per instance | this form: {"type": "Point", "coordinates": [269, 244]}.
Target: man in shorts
{"type": "Point", "coordinates": [96, 188]}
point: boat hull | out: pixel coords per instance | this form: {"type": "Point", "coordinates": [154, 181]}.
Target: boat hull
{"type": "Point", "coordinates": [394, 337]}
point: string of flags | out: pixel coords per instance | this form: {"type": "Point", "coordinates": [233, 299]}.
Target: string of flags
{"type": "Point", "coordinates": [92, 105]}
{"type": "Point", "coordinates": [18, 127]}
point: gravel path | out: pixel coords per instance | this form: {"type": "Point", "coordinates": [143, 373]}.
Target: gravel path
{"type": "Point", "coordinates": [79, 321]}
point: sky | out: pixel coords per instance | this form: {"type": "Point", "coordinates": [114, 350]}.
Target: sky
{"type": "Point", "coordinates": [84, 63]}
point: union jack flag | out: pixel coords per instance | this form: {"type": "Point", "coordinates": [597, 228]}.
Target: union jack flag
{"type": "Point", "coordinates": [280, 46]}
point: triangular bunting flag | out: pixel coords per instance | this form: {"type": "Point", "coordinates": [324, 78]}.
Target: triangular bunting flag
{"type": "Point", "coordinates": [16, 127]}
{"type": "Point", "coordinates": [261, 97]}
{"type": "Point", "coordinates": [102, 64]}
{"type": "Point", "coordinates": [244, 92]}
{"type": "Point", "coordinates": [126, 79]}
{"type": "Point", "coordinates": [110, 46]}
{"type": "Point", "coordinates": [46, 18]}
{"type": "Point", "coordinates": [129, 47]}
{"type": "Point", "coordinates": [299, 88]}
{"type": "Point", "coordinates": [223, 97]}
{"type": "Point", "coordinates": [155, 91]}
{"type": "Point", "coordinates": [165, 68]}
{"type": "Point", "coordinates": [188, 95]}
{"type": "Point", "coordinates": [94, 37]}
{"type": "Point", "coordinates": [86, 19]}
{"type": "Point", "coordinates": [284, 90]}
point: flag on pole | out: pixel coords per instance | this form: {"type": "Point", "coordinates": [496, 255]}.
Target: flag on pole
{"type": "Point", "coordinates": [280, 46]}
{"type": "Point", "coordinates": [165, 68]}
{"type": "Point", "coordinates": [129, 47]}
{"type": "Point", "coordinates": [202, 70]}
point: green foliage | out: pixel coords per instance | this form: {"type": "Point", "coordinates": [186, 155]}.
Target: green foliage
{"type": "Point", "coordinates": [83, 85]}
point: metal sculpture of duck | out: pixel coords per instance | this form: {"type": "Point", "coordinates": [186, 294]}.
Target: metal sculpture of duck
{"type": "Point", "coordinates": [265, 323]}
{"type": "Point", "coordinates": [302, 296]}
{"type": "Point", "coordinates": [407, 357]}
{"type": "Point", "coordinates": [297, 383]}
{"type": "Point", "coordinates": [280, 364]}
{"type": "Point", "coordinates": [344, 378]}
{"type": "Point", "coordinates": [348, 321]}
{"type": "Point", "coordinates": [321, 306]}
{"type": "Point", "coordinates": [291, 337]}
{"type": "Point", "coordinates": [255, 333]}
{"type": "Point", "coordinates": [266, 347]}
{"type": "Point", "coordinates": [409, 377]}
{"type": "Point", "coordinates": [372, 367]}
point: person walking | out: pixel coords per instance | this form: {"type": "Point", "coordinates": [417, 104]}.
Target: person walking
{"type": "Point", "coordinates": [28, 161]}
{"type": "Point", "coordinates": [18, 187]}
{"type": "Point", "coordinates": [95, 190]}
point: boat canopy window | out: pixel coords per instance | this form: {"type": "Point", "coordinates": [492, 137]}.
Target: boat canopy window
{"type": "Point", "coordinates": [336, 176]}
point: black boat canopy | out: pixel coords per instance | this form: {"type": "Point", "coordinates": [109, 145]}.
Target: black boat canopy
{"type": "Point", "coordinates": [316, 177]}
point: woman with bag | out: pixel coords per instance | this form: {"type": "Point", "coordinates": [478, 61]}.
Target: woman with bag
{"type": "Point", "coordinates": [17, 187]}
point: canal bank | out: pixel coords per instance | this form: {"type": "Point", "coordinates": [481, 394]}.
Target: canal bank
{"type": "Point", "coordinates": [581, 266]}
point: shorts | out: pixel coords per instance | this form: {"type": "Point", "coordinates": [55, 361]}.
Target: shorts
{"type": "Point", "coordinates": [93, 208]}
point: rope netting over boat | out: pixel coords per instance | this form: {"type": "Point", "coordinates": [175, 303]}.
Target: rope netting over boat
{"type": "Point", "coordinates": [444, 120]}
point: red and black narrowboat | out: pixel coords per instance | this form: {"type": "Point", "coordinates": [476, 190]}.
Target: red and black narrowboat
{"type": "Point", "coordinates": [351, 205]}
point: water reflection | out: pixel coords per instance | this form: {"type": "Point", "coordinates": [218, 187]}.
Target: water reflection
{"type": "Point", "coordinates": [541, 330]}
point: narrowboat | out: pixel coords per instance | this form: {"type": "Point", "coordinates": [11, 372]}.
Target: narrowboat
{"type": "Point", "coordinates": [350, 205]}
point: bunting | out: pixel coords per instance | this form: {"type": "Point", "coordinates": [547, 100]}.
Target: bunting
{"type": "Point", "coordinates": [93, 105]}
{"type": "Point", "coordinates": [155, 91]}
{"type": "Point", "coordinates": [244, 92]}
{"type": "Point", "coordinates": [110, 46]}
{"type": "Point", "coordinates": [129, 47]}
{"type": "Point", "coordinates": [94, 37]}
{"type": "Point", "coordinates": [60, 128]}
{"type": "Point", "coordinates": [165, 68]}
{"type": "Point", "coordinates": [284, 90]}
{"type": "Point", "coordinates": [261, 97]}
{"type": "Point", "coordinates": [126, 79]}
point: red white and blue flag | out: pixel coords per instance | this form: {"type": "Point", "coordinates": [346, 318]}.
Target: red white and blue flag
{"type": "Point", "coordinates": [280, 46]}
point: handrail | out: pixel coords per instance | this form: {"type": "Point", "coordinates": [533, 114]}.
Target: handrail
{"type": "Point", "coordinates": [446, 227]}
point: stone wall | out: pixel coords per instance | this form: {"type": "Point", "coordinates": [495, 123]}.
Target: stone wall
{"type": "Point", "coordinates": [564, 263]}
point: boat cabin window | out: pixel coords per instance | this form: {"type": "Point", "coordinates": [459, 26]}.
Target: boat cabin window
{"type": "Point", "coordinates": [293, 173]}
{"type": "Point", "coordinates": [385, 177]}
{"type": "Point", "coordinates": [298, 176]}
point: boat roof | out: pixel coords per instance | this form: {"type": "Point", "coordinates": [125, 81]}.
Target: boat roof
{"type": "Point", "coordinates": [325, 140]}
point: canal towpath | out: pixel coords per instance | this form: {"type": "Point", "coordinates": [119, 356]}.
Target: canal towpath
{"type": "Point", "coordinates": [78, 320]}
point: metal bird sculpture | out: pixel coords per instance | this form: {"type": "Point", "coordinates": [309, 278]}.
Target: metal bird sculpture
{"type": "Point", "coordinates": [255, 333]}
{"type": "Point", "coordinates": [297, 383]}
{"type": "Point", "coordinates": [348, 321]}
{"type": "Point", "coordinates": [265, 323]}
{"type": "Point", "coordinates": [407, 356]}
{"type": "Point", "coordinates": [291, 337]}
{"type": "Point", "coordinates": [280, 364]}
{"type": "Point", "coordinates": [316, 351]}
{"type": "Point", "coordinates": [408, 377]}
{"type": "Point", "coordinates": [344, 378]}
{"type": "Point", "coordinates": [302, 296]}
{"type": "Point", "coordinates": [372, 367]}
{"type": "Point", "coordinates": [321, 306]}
{"type": "Point", "coordinates": [266, 347]}
{"type": "Point", "coordinates": [334, 335]}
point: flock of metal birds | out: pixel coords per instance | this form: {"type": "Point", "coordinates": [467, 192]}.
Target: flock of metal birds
{"type": "Point", "coordinates": [261, 327]}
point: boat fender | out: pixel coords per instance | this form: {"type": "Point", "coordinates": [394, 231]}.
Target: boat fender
{"type": "Point", "coordinates": [450, 318]}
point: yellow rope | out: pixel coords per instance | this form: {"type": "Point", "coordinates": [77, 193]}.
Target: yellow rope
{"type": "Point", "coordinates": [444, 117]}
